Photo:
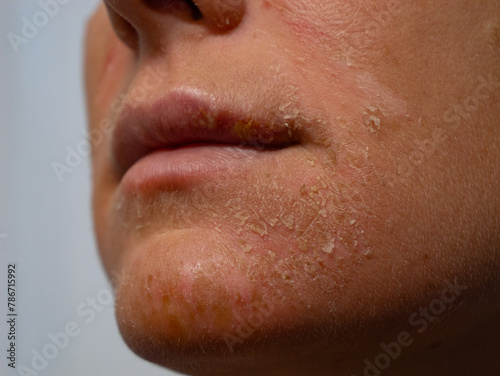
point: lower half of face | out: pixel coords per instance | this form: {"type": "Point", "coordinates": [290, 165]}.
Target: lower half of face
{"type": "Point", "coordinates": [378, 216]}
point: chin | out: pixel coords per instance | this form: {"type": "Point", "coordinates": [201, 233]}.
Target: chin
{"type": "Point", "coordinates": [190, 301]}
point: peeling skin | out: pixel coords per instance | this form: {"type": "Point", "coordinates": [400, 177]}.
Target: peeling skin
{"type": "Point", "coordinates": [308, 218]}
{"type": "Point", "coordinates": [341, 235]}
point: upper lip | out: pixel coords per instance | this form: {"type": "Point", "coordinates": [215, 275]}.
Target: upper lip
{"type": "Point", "coordinates": [189, 116]}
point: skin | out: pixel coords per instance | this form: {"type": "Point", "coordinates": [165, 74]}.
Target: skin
{"type": "Point", "coordinates": [390, 193]}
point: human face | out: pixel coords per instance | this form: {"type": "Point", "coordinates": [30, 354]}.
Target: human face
{"type": "Point", "coordinates": [279, 186]}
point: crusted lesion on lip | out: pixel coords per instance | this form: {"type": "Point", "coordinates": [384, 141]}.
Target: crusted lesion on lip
{"type": "Point", "coordinates": [254, 133]}
{"type": "Point", "coordinates": [244, 129]}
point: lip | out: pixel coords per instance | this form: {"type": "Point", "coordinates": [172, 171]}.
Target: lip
{"type": "Point", "coordinates": [194, 165]}
{"type": "Point", "coordinates": [188, 132]}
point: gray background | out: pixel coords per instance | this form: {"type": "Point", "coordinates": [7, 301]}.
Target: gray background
{"type": "Point", "coordinates": [45, 224]}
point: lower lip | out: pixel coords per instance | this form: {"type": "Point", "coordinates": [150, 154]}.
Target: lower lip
{"type": "Point", "coordinates": [191, 165]}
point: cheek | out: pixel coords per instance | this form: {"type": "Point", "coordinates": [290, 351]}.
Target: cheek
{"type": "Point", "coordinates": [108, 63]}
{"type": "Point", "coordinates": [337, 28]}
{"type": "Point", "coordinates": [109, 71]}
{"type": "Point", "coordinates": [115, 70]}
{"type": "Point", "coordinates": [311, 20]}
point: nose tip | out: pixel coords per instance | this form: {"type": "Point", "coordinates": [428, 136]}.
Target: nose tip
{"type": "Point", "coordinates": [138, 20]}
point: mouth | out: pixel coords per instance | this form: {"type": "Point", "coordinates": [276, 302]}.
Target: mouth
{"type": "Point", "coordinates": [187, 131]}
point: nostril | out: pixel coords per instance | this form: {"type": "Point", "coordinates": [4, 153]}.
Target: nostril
{"type": "Point", "coordinates": [140, 22]}
{"type": "Point", "coordinates": [195, 10]}
{"type": "Point", "coordinates": [175, 6]}
{"type": "Point", "coordinates": [219, 15]}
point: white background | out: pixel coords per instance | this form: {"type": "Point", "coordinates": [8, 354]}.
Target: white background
{"type": "Point", "coordinates": [45, 224]}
